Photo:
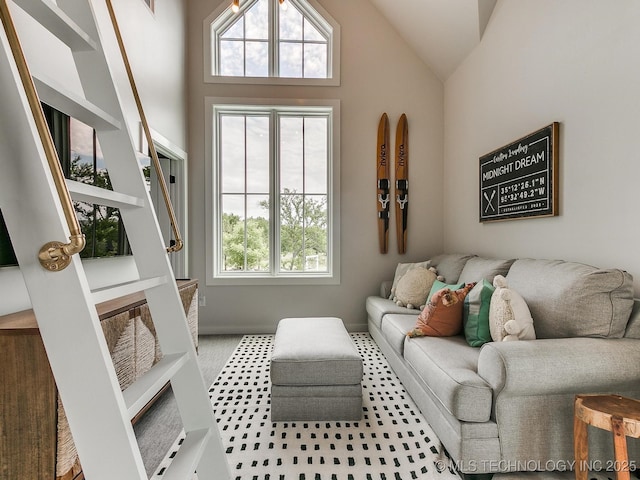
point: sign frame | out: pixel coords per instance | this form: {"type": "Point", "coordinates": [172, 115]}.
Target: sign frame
{"type": "Point", "coordinates": [520, 180]}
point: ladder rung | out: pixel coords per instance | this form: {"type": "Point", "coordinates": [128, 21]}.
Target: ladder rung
{"type": "Point", "coordinates": [75, 106]}
{"type": "Point", "coordinates": [138, 394]}
{"type": "Point", "coordinates": [186, 460]}
{"type": "Point", "coordinates": [83, 192]}
{"type": "Point", "coordinates": [50, 16]}
{"type": "Point", "coordinates": [122, 289]}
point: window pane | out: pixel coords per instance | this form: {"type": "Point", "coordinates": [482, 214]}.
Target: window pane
{"type": "Point", "coordinates": [102, 176]}
{"type": "Point", "coordinates": [311, 33]}
{"type": "Point", "coordinates": [81, 152]}
{"type": "Point", "coordinates": [291, 155]}
{"type": "Point", "coordinates": [84, 212]}
{"type": "Point", "coordinates": [295, 36]}
{"type": "Point", "coordinates": [232, 151]}
{"type": "Point", "coordinates": [257, 21]}
{"type": "Point", "coordinates": [290, 23]}
{"type": "Point", "coordinates": [232, 58]}
{"type": "Point", "coordinates": [257, 59]}
{"type": "Point", "coordinates": [7, 255]}
{"type": "Point", "coordinates": [245, 241]}
{"type": "Point", "coordinates": [316, 233]}
{"type": "Point", "coordinates": [102, 233]}
{"type": "Point", "coordinates": [233, 233]}
{"type": "Point", "coordinates": [258, 154]}
{"type": "Point", "coordinates": [87, 160]}
{"type": "Point", "coordinates": [291, 232]}
{"type": "Point", "coordinates": [315, 154]}
{"type": "Point", "coordinates": [291, 60]}
{"type": "Point", "coordinates": [258, 233]}
{"type": "Point", "coordinates": [315, 60]}
{"type": "Point", "coordinates": [236, 30]}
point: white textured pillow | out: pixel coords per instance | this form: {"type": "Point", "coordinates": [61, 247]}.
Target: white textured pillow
{"type": "Point", "coordinates": [403, 268]}
{"type": "Point", "coordinates": [414, 287]}
{"type": "Point", "coordinates": [509, 315]}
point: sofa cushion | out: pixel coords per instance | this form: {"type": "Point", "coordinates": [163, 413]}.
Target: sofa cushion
{"type": "Point", "coordinates": [395, 328]}
{"type": "Point", "coordinates": [633, 327]}
{"type": "Point", "coordinates": [478, 268]}
{"type": "Point", "coordinates": [448, 367]}
{"type": "Point", "coordinates": [450, 265]}
{"type": "Point", "coordinates": [377, 307]}
{"type": "Point", "coordinates": [569, 299]}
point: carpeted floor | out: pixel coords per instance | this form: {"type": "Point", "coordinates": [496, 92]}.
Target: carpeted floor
{"type": "Point", "coordinates": [392, 441]}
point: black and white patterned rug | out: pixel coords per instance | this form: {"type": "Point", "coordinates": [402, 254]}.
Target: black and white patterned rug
{"type": "Point", "coordinates": [391, 442]}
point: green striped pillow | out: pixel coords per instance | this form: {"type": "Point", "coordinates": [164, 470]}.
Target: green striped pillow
{"type": "Point", "coordinates": [475, 314]}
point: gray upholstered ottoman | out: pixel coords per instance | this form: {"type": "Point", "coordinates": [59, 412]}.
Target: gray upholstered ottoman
{"type": "Point", "coordinates": [316, 371]}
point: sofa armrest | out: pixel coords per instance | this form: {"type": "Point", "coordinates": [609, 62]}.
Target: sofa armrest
{"type": "Point", "coordinates": [560, 366]}
{"type": "Point", "coordinates": [385, 288]}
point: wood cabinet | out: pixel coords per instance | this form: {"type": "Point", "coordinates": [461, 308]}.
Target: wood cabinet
{"type": "Point", "coordinates": [35, 440]}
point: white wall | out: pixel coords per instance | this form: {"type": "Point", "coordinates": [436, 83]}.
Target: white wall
{"type": "Point", "coordinates": [575, 62]}
{"type": "Point", "coordinates": [156, 46]}
{"type": "Point", "coordinates": [155, 43]}
{"type": "Point", "coordinates": [379, 73]}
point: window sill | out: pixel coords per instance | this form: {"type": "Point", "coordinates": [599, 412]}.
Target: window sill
{"type": "Point", "coordinates": [249, 280]}
{"type": "Point", "coordinates": [311, 82]}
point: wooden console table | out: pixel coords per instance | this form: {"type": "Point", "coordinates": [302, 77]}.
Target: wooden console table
{"type": "Point", "coordinates": [35, 440]}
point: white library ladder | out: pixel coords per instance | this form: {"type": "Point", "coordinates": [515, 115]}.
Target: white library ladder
{"type": "Point", "coordinates": [37, 206]}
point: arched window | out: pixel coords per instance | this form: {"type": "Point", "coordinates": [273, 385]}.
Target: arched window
{"type": "Point", "coordinates": [272, 42]}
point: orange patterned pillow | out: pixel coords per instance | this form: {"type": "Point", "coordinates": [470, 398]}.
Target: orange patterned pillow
{"type": "Point", "coordinates": [442, 317]}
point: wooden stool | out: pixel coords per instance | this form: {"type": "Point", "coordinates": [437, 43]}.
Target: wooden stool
{"type": "Point", "coordinates": [614, 413]}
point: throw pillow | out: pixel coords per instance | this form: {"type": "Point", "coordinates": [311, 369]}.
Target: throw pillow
{"type": "Point", "coordinates": [439, 285]}
{"type": "Point", "coordinates": [509, 315]}
{"type": "Point", "coordinates": [403, 268]}
{"type": "Point", "coordinates": [442, 317]}
{"type": "Point", "coordinates": [414, 287]}
{"type": "Point", "coordinates": [475, 315]}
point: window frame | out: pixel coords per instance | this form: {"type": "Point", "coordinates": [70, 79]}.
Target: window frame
{"type": "Point", "coordinates": [212, 207]}
{"type": "Point", "coordinates": [176, 159]}
{"type": "Point", "coordinates": [223, 16]}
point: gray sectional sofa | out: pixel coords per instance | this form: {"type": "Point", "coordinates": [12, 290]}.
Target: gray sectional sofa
{"type": "Point", "coordinates": [508, 406]}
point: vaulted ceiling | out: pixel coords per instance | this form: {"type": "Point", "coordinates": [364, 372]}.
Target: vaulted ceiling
{"type": "Point", "coordinates": [442, 32]}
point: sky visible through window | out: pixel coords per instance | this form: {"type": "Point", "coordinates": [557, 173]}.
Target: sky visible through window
{"type": "Point", "coordinates": [82, 146]}
{"type": "Point", "coordinates": [245, 154]}
{"type": "Point", "coordinates": [244, 48]}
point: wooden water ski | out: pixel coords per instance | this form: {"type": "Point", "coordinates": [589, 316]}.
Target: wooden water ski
{"type": "Point", "coordinates": [402, 182]}
{"type": "Point", "coordinates": [382, 168]}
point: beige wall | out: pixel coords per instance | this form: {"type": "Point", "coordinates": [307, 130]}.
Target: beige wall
{"type": "Point", "coordinates": [379, 73]}
{"type": "Point", "coordinates": [575, 62]}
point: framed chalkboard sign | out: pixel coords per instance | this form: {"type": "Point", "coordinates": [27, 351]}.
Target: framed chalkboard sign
{"type": "Point", "coordinates": [520, 180]}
